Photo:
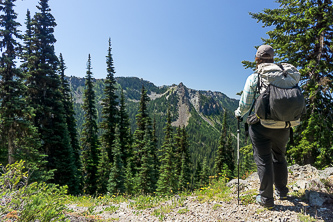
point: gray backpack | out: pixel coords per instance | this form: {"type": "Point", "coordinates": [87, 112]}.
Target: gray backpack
{"type": "Point", "coordinates": [281, 102]}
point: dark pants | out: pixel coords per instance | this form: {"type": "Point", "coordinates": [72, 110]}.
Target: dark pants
{"type": "Point", "coordinates": [269, 148]}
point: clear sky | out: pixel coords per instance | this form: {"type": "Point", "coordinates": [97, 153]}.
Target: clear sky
{"type": "Point", "coordinates": [198, 42]}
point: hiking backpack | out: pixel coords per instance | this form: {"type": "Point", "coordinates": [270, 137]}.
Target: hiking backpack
{"type": "Point", "coordinates": [281, 102]}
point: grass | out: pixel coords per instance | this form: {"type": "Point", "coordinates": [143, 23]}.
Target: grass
{"type": "Point", "coordinates": [183, 211]}
{"type": "Point", "coordinates": [305, 218]}
{"type": "Point", "coordinates": [216, 206]}
{"type": "Point", "coordinates": [161, 205]}
{"type": "Point", "coordinates": [248, 197]}
{"type": "Point", "coordinates": [216, 191]}
{"type": "Point", "coordinates": [111, 209]}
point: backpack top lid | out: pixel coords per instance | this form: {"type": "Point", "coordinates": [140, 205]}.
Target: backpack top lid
{"type": "Point", "coordinates": [273, 74]}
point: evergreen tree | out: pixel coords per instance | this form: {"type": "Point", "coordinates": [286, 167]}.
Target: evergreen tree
{"type": "Point", "coordinates": [71, 124]}
{"type": "Point", "coordinates": [103, 171]}
{"type": "Point", "coordinates": [178, 153]}
{"type": "Point", "coordinates": [186, 165]}
{"type": "Point", "coordinates": [90, 150]}
{"type": "Point", "coordinates": [197, 175]}
{"type": "Point", "coordinates": [129, 175]}
{"type": "Point", "coordinates": [146, 176]}
{"type": "Point", "coordinates": [125, 140]}
{"type": "Point", "coordinates": [229, 157]}
{"type": "Point", "coordinates": [167, 183]}
{"type": "Point", "coordinates": [156, 162]}
{"type": "Point", "coordinates": [117, 174]}
{"type": "Point", "coordinates": [45, 97]}
{"type": "Point", "coordinates": [109, 104]}
{"type": "Point", "coordinates": [19, 139]}
{"type": "Point", "coordinates": [27, 37]}
{"type": "Point", "coordinates": [142, 120]}
{"type": "Point", "coordinates": [223, 152]}
{"type": "Point", "coordinates": [302, 36]}
{"type": "Point", "coordinates": [204, 176]}
{"type": "Point", "coordinates": [124, 130]}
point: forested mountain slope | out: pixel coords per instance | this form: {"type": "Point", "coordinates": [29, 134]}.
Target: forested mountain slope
{"type": "Point", "coordinates": [200, 111]}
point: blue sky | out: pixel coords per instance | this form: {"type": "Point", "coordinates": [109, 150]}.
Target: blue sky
{"type": "Point", "coordinates": [198, 42]}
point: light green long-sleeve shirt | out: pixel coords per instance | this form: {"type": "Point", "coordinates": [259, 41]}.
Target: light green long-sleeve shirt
{"type": "Point", "coordinates": [247, 96]}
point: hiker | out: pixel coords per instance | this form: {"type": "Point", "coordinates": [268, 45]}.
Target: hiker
{"type": "Point", "coordinates": [268, 141]}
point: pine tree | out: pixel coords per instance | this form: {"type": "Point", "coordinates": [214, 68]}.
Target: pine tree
{"type": "Point", "coordinates": [204, 176]}
{"type": "Point", "coordinates": [27, 37]}
{"type": "Point", "coordinates": [166, 183]}
{"type": "Point", "coordinates": [125, 139]}
{"type": "Point", "coordinates": [146, 176]}
{"type": "Point", "coordinates": [109, 104]}
{"type": "Point", "coordinates": [19, 139]}
{"type": "Point", "coordinates": [221, 151]}
{"type": "Point", "coordinates": [197, 175]}
{"type": "Point", "coordinates": [45, 97]}
{"type": "Point", "coordinates": [103, 171]}
{"type": "Point", "coordinates": [129, 176]}
{"type": "Point", "coordinates": [302, 36]}
{"type": "Point", "coordinates": [178, 153]}
{"type": "Point", "coordinates": [71, 124]}
{"type": "Point", "coordinates": [117, 174]}
{"type": "Point", "coordinates": [90, 150]}
{"type": "Point", "coordinates": [142, 120]}
{"type": "Point", "coordinates": [186, 164]}
{"type": "Point", "coordinates": [229, 157]}
{"type": "Point", "coordinates": [156, 162]}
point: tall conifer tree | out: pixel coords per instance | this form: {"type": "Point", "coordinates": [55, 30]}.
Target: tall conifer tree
{"type": "Point", "coordinates": [108, 124]}
{"type": "Point", "coordinates": [117, 173]}
{"type": "Point", "coordinates": [302, 36]}
{"type": "Point", "coordinates": [142, 121]}
{"type": "Point", "coordinates": [204, 176]}
{"type": "Point", "coordinates": [125, 139]}
{"type": "Point", "coordinates": [146, 177]}
{"type": "Point", "coordinates": [167, 182]}
{"type": "Point", "coordinates": [109, 104]}
{"type": "Point", "coordinates": [19, 138]}
{"type": "Point", "coordinates": [45, 97]}
{"type": "Point", "coordinates": [221, 152]}
{"type": "Point", "coordinates": [27, 38]}
{"type": "Point", "coordinates": [90, 145]}
{"type": "Point", "coordinates": [186, 164]}
{"type": "Point", "coordinates": [71, 124]}
{"type": "Point", "coordinates": [197, 175]}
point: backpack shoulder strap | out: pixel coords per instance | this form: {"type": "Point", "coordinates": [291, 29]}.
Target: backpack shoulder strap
{"type": "Point", "coordinates": [255, 93]}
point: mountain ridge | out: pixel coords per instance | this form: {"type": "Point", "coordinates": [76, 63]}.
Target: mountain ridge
{"type": "Point", "coordinates": [200, 111]}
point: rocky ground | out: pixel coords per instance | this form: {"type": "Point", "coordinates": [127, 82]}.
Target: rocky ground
{"type": "Point", "coordinates": [309, 199]}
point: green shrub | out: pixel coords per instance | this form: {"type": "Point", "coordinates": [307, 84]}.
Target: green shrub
{"type": "Point", "coordinates": [29, 202]}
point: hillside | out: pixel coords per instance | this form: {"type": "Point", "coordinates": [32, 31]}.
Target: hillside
{"type": "Point", "coordinates": [200, 111]}
{"type": "Point", "coordinates": [310, 199]}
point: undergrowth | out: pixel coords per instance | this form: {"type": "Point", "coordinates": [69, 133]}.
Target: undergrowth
{"type": "Point", "coordinates": [22, 201]}
{"type": "Point", "coordinates": [29, 202]}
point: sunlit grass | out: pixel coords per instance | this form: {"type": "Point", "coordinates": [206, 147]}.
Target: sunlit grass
{"type": "Point", "coordinates": [161, 205]}
{"type": "Point", "coordinates": [215, 191]}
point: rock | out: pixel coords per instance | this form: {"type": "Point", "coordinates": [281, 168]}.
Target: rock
{"type": "Point", "coordinates": [324, 174]}
{"type": "Point", "coordinates": [253, 177]}
{"type": "Point", "coordinates": [315, 199]}
{"type": "Point", "coordinates": [234, 182]}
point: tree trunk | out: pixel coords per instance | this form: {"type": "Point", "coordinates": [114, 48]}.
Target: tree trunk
{"type": "Point", "coordinates": [11, 146]}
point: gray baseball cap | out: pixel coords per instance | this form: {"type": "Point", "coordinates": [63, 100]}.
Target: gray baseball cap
{"type": "Point", "coordinates": [265, 52]}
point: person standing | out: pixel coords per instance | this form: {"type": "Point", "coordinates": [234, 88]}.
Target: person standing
{"type": "Point", "coordinates": [269, 144]}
